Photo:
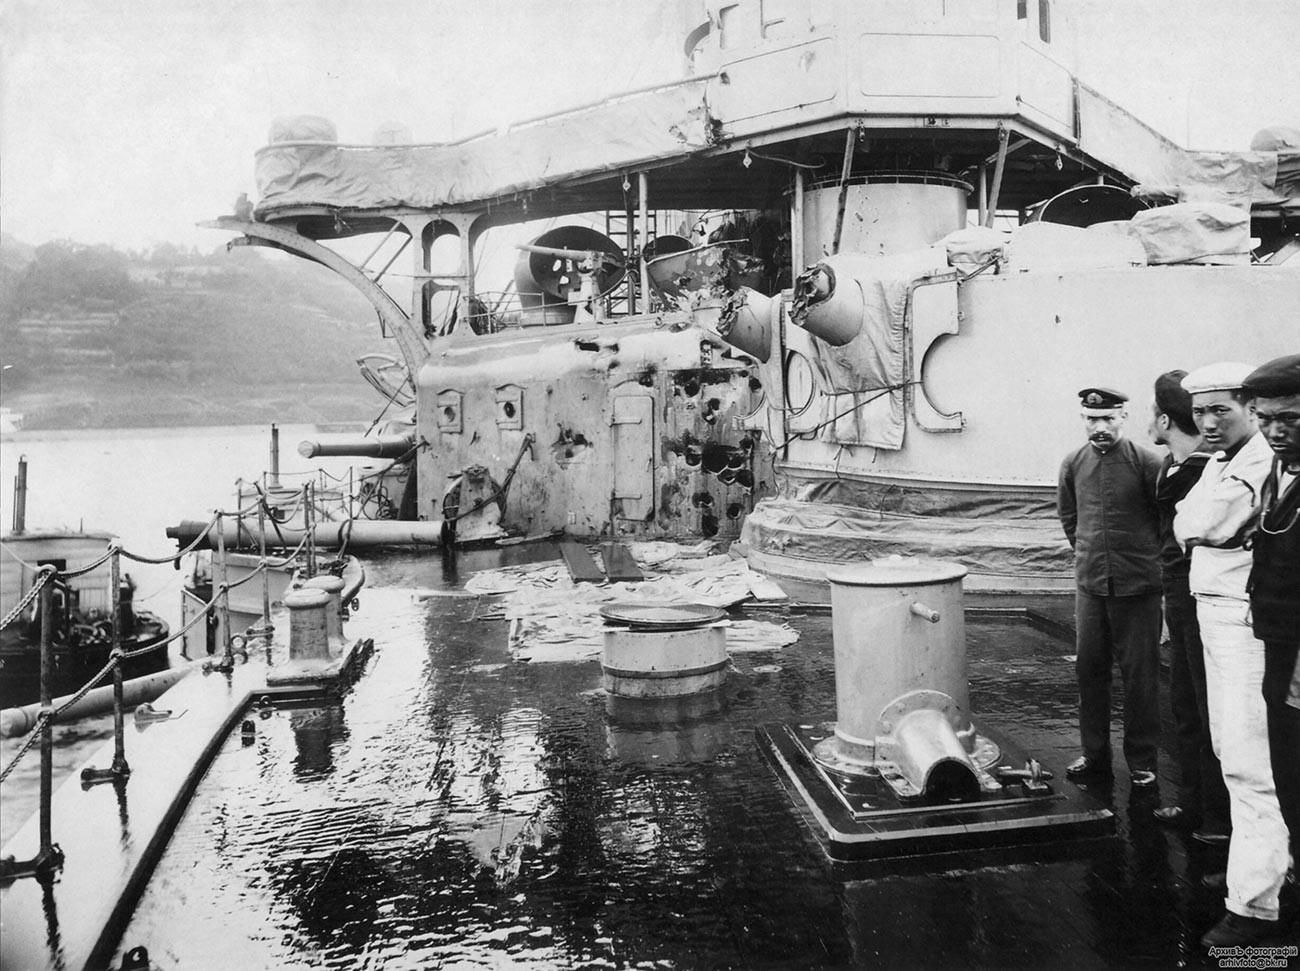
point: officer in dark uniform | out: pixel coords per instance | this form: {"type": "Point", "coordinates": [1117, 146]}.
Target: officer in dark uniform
{"type": "Point", "coordinates": [1106, 499]}
{"type": "Point", "coordinates": [1274, 584]}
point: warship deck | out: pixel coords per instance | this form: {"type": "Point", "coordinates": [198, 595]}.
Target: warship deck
{"type": "Point", "coordinates": [458, 807]}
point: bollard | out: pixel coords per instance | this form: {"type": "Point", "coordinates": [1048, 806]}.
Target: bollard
{"type": "Point", "coordinates": [314, 658]}
{"type": "Point", "coordinates": [308, 625]}
{"type": "Point", "coordinates": [333, 586]}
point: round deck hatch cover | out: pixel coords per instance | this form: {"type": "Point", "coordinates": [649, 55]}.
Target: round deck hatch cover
{"type": "Point", "coordinates": [662, 616]}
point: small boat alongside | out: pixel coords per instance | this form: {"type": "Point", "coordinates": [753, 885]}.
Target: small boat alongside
{"type": "Point", "coordinates": [82, 609]}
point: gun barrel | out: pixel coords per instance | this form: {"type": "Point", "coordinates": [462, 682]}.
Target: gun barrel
{"type": "Point", "coordinates": [378, 447]}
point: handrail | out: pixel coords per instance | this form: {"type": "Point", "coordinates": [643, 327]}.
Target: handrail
{"type": "Point", "coordinates": [50, 857]}
{"type": "Point", "coordinates": [44, 575]}
{"type": "Point", "coordinates": [48, 572]}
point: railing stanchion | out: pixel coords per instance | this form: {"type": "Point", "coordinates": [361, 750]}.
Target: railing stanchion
{"type": "Point", "coordinates": [309, 523]}
{"type": "Point", "coordinates": [275, 456]}
{"type": "Point", "coordinates": [120, 768]}
{"type": "Point", "coordinates": [47, 710]}
{"type": "Point", "coordinates": [223, 608]}
{"type": "Point", "coordinates": [266, 575]}
{"type": "Point", "coordinates": [49, 857]}
{"type": "Point", "coordinates": [119, 771]}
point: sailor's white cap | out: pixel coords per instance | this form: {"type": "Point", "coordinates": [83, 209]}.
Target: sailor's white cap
{"type": "Point", "coordinates": [1224, 376]}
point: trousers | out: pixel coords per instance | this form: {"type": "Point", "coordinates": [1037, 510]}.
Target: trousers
{"type": "Point", "coordinates": [1234, 674]}
{"type": "Point", "coordinates": [1123, 631]}
{"type": "Point", "coordinates": [1283, 731]}
{"type": "Point", "coordinates": [1203, 794]}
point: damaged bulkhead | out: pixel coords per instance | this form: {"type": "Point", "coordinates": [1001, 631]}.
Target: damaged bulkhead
{"type": "Point", "coordinates": [622, 430]}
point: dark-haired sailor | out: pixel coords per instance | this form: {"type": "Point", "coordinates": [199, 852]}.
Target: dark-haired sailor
{"type": "Point", "coordinates": [1214, 521]}
{"type": "Point", "coordinates": [1275, 575]}
{"type": "Point", "coordinates": [1203, 799]}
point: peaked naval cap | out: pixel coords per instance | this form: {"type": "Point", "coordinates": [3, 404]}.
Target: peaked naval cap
{"type": "Point", "coordinates": [1102, 398]}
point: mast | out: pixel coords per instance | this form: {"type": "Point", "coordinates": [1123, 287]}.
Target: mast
{"type": "Point", "coordinates": [20, 497]}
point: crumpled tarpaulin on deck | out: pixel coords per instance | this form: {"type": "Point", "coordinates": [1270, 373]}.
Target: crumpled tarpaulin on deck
{"type": "Point", "coordinates": [554, 619]}
{"type": "Point", "coordinates": [618, 134]}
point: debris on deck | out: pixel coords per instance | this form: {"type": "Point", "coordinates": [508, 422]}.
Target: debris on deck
{"type": "Point", "coordinates": [554, 618]}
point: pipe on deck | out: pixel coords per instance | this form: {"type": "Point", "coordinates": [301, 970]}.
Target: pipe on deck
{"type": "Point", "coordinates": [331, 535]}
{"type": "Point", "coordinates": [137, 691]}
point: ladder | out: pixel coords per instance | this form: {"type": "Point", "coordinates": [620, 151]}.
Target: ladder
{"type": "Point", "coordinates": [621, 228]}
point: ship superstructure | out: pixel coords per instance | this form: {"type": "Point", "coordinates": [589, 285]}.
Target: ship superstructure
{"type": "Point", "coordinates": [837, 284]}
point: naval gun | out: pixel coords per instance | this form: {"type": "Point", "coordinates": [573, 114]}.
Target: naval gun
{"type": "Point", "coordinates": [378, 447]}
{"type": "Point", "coordinates": [562, 275]}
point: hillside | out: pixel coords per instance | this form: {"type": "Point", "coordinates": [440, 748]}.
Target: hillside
{"type": "Point", "coordinates": [93, 337]}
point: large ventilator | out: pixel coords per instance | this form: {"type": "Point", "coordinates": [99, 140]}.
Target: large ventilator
{"type": "Point", "coordinates": [901, 689]}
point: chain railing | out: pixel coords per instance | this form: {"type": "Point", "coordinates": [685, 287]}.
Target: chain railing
{"type": "Point", "coordinates": [49, 858]}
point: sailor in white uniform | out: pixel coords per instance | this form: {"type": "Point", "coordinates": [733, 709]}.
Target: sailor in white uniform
{"type": "Point", "coordinates": [1213, 521]}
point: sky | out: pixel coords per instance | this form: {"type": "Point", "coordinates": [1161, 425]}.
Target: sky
{"type": "Point", "coordinates": [128, 121]}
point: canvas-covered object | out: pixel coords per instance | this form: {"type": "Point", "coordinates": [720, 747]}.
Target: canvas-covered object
{"type": "Point", "coordinates": [866, 375]}
{"type": "Point", "coordinates": [1285, 142]}
{"type": "Point", "coordinates": [1267, 174]}
{"type": "Point", "coordinates": [1194, 232]}
{"type": "Point", "coordinates": [618, 134]}
{"type": "Point", "coordinates": [1028, 549]}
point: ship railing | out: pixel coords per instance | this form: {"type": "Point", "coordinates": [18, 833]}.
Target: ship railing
{"type": "Point", "coordinates": [351, 494]}
{"type": "Point", "coordinates": [48, 860]}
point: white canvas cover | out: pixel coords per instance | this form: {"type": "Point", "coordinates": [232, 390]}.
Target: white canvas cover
{"type": "Point", "coordinates": [616, 135]}
{"type": "Point", "coordinates": [1194, 232]}
{"type": "Point", "coordinates": [1261, 176]}
{"type": "Point", "coordinates": [864, 412]}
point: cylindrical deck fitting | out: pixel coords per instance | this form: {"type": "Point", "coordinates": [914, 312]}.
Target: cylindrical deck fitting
{"type": "Point", "coordinates": [333, 586]}
{"type": "Point", "coordinates": [308, 624]}
{"type": "Point", "coordinates": [889, 643]}
{"type": "Point", "coordinates": [663, 663]}
{"type": "Point", "coordinates": [898, 214]}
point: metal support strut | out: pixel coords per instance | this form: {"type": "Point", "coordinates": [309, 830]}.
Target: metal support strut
{"type": "Point", "coordinates": [119, 771]}
{"type": "Point", "coordinates": [49, 858]}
